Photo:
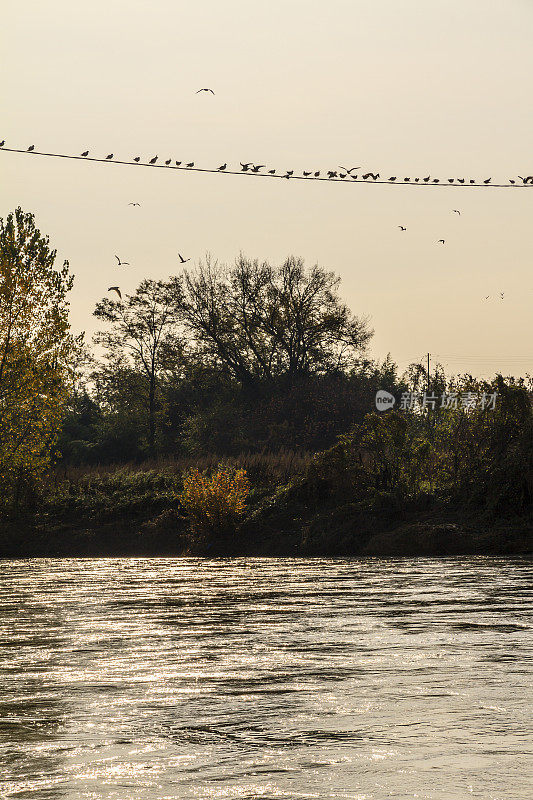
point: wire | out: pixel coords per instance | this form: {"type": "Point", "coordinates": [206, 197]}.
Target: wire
{"type": "Point", "coordinates": [250, 173]}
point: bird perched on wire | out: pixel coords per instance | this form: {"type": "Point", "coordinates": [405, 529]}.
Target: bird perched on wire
{"type": "Point", "coordinates": [426, 180]}
{"type": "Point", "coordinates": [85, 153]}
{"type": "Point", "coordinates": [306, 174]}
{"type": "Point", "coordinates": [223, 167]}
{"type": "Point", "coordinates": [487, 181]}
{"type": "Point", "coordinates": [122, 263]}
{"type": "Point", "coordinates": [373, 175]}
{"type": "Point", "coordinates": [137, 159]}
{"type": "Point", "coordinates": [529, 179]}
{"type": "Point", "coordinates": [168, 161]}
{"type": "Point", "coordinates": [183, 260]}
{"type": "Point", "coordinates": [31, 147]}
{"type": "Point", "coordinates": [407, 180]}
{"type": "Point", "coordinates": [332, 174]}
{"type": "Point", "coordinates": [393, 179]}
{"type": "Point", "coordinates": [115, 289]}
{"type": "Point", "coordinates": [460, 180]}
{"type": "Point", "coordinates": [177, 163]}
{"type": "Point", "coordinates": [271, 171]}
{"type": "Point", "coordinates": [245, 167]}
{"type": "Point", "coordinates": [153, 160]}
{"type": "Point", "coordinates": [2, 143]}
{"type": "Point", "coordinates": [190, 164]}
{"type": "Point", "coordinates": [205, 90]}
{"type": "Point", "coordinates": [317, 174]}
{"type": "Point", "coordinates": [109, 156]}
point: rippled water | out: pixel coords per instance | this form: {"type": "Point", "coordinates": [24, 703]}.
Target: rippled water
{"type": "Point", "coordinates": [271, 678]}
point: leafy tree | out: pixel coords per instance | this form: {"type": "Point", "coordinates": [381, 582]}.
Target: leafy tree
{"type": "Point", "coordinates": [36, 351]}
{"type": "Point", "coordinates": [143, 337]}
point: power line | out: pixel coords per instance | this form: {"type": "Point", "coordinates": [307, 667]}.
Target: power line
{"type": "Point", "coordinates": [433, 182]}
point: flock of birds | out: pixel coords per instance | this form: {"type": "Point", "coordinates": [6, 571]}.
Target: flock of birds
{"type": "Point", "coordinates": [341, 173]}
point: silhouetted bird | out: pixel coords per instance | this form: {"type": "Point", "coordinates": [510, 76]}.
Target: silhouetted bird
{"type": "Point", "coordinates": [373, 175]}
{"type": "Point", "coordinates": [502, 294]}
{"type": "Point", "coordinates": [109, 156]}
{"type": "Point", "coordinates": [31, 147]}
{"type": "Point", "coordinates": [317, 174]}
{"type": "Point", "coordinates": [190, 164]}
{"type": "Point", "coordinates": [349, 170]}
{"type": "Point", "coordinates": [402, 228]}
{"type": "Point", "coordinates": [290, 172]}
{"type": "Point", "coordinates": [178, 163]}
{"type": "Point", "coordinates": [122, 263]}
{"type": "Point", "coordinates": [245, 167]}
{"type": "Point", "coordinates": [450, 180]}
{"type": "Point", "coordinates": [511, 181]}
{"type": "Point", "coordinates": [416, 180]}
{"type": "Point", "coordinates": [85, 153]}
{"type": "Point", "coordinates": [455, 211]}
{"type": "Point", "coordinates": [487, 297]}
{"type": "Point", "coordinates": [271, 171]}
{"type": "Point", "coordinates": [436, 180]}
{"type": "Point", "coordinates": [441, 241]}
{"type": "Point", "coordinates": [393, 179]}
{"type": "Point", "coordinates": [183, 260]}
{"type": "Point", "coordinates": [306, 174]}
{"type": "Point", "coordinates": [529, 179]}
{"type": "Point", "coordinates": [2, 143]}
{"type": "Point", "coordinates": [426, 180]}
{"type": "Point", "coordinates": [168, 162]}
{"type": "Point", "coordinates": [407, 180]}
{"type": "Point", "coordinates": [223, 167]}
{"type": "Point", "coordinates": [471, 181]}
{"type": "Point", "coordinates": [133, 204]}
{"type": "Point", "coordinates": [460, 180]}
{"type": "Point", "coordinates": [258, 167]}
{"type": "Point", "coordinates": [115, 289]}
{"type": "Point", "coordinates": [153, 160]}
{"type": "Point", "coordinates": [137, 159]}
{"type": "Point", "coordinates": [205, 90]}
{"type": "Point", "coordinates": [332, 174]}
{"type": "Point", "coordinates": [353, 177]}
{"type": "Point", "coordinates": [488, 180]}
{"type": "Point", "coordinates": [342, 175]}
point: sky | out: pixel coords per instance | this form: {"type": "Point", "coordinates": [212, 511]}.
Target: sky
{"type": "Point", "coordinates": [399, 87]}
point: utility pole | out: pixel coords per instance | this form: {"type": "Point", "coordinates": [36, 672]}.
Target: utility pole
{"type": "Point", "coordinates": [428, 373]}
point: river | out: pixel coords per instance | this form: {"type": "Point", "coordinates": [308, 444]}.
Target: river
{"type": "Point", "coordinates": [155, 679]}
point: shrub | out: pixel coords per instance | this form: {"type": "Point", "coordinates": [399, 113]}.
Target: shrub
{"type": "Point", "coordinates": [214, 502]}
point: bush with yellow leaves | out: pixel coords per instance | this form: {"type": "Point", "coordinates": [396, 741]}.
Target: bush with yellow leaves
{"type": "Point", "coordinates": [214, 502]}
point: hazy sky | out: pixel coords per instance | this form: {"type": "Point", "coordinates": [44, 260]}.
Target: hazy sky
{"type": "Point", "coordinates": [403, 87]}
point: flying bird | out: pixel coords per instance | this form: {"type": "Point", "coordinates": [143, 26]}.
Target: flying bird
{"type": "Point", "coordinates": [529, 179]}
{"type": "Point", "coordinates": [183, 260]}
{"type": "Point", "coordinates": [115, 289]}
{"type": "Point", "coordinates": [245, 167]}
{"type": "Point", "coordinates": [205, 90]}
{"type": "Point", "coordinates": [122, 263]}
{"type": "Point", "coordinates": [441, 241]}
{"type": "Point", "coordinates": [349, 170]}
{"type": "Point", "coordinates": [223, 167]}
{"type": "Point", "coordinates": [109, 156]}
{"type": "Point", "coordinates": [85, 153]}
{"type": "Point", "coordinates": [133, 204]}
{"type": "Point", "coordinates": [31, 147]}
{"type": "Point", "coordinates": [401, 227]}
{"type": "Point", "coordinates": [153, 160]}
{"type": "Point", "coordinates": [455, 211]}
{"type": "Point", "coordinates": [137, 159]}
{"type": "Point", "coordinates": [258, 167]}
{"type": "Point", "coordinates": [487, 297]}
{"type": "Point", "coordinates": [502, 295]}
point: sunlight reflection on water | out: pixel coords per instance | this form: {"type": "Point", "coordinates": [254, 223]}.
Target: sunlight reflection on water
{"type": "Point", "coordinates": [152, 679]}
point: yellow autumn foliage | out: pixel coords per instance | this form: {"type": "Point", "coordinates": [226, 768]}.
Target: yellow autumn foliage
{"type": "Point", "coordinates": [213, 502]}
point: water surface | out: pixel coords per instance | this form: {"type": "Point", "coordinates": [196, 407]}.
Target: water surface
{"type": "Point", "coordinates": [152, 679]}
